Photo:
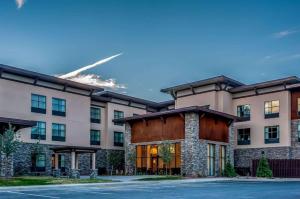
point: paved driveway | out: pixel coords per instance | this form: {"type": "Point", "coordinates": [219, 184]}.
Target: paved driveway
{"type": "Point", "coordinates": [161, 190]}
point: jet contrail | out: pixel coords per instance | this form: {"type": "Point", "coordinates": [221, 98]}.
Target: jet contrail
{"type": "Point", "coordinates": [76, 72]}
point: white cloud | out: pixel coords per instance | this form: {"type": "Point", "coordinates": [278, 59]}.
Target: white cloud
{"type": "Point", "coordinates": [96, 80]}
{"type": "Point", "coordinates": [20, 3]}
{"type": "Point", "coordinates": [284, 33]}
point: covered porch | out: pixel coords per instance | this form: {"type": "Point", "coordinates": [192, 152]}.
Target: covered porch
{"type": "Point", "coordinates": [74, 152]}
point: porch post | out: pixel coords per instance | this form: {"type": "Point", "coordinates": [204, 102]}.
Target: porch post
{"type": "Point", "coordinates": [77, 161]}
{"type": "Point", "coordinates": [94, 172]}
{"type": "Point", "coordinates": [73, 160]}
{"type": "Point", "coordinates": [56, 171]}
{"type": "Point", "coordinates": [74, 172]}
{"type": "Point", "coordinates": [56, 160]}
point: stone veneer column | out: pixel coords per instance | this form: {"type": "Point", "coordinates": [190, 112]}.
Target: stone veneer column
{"type": "Point", "coordinates": [230, 147]}
{"type": "Point", "coordinates": [190, 153]}
{"type": "Point", "coordinates": [129, 149]}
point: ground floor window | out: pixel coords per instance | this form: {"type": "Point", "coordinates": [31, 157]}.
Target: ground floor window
{"type": "Point", "coordinates": [149, 162]}
{"type": "Point", "coordinates": [211, 148]}
{"type": "Point", "coordinates": [222, 159]}
{"type": "Point", "coordinates": [38, 162]}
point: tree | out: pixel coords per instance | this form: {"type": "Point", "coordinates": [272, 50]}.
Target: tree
{"type": "Point", "coordinates": [164, 152]}
{"type": "Point", "coordinates": [229, 170]}
{"type": "Point", "coordinates": [131, 158]}
{"type": "Point", "coordinates": [9, 142]}
{"type": "Point", "coordinates": [263, 169]}
{"type": "Point", "coordinates": [115, 160]}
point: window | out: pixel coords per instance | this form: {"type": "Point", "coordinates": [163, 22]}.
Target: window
{"type": "Point", "coordinates": [61, 161]}
{"type": "Point", "coordinates": [298, 103]}
{"type": "Point", "coordinates": [118, 115]}
{"type": "Point", "coordinates": [298, 132]}
{"type": "Point", "coordinates": [271, 134]}
{"type": "Point", "coordinates": [118, 139]}
{"type": "Point", "coordinates": [38, 103]}
{"type": "Point", "coordinates": [272, 109]}
{"type": "Point", "coordinates": [211, 159]}
{"type": "Point", "coordinates": [95, 137]}
{"type": "Point", "coordinates": [58, 107]}
{"type": "Point", "coordinates": [39, 131]}
{"type": "Point", "coordinates": [243, 136]}
{"type": "Point", "coordinates": [95, 115]}
{"type": "Point", "coordinates": [58, 132]}
{"type": "Point", "coordinates": [243, 111]}
{"type": "Point", "coordinates": [38, 162]}
{"type": "Point", "coordinates": [222, 159]}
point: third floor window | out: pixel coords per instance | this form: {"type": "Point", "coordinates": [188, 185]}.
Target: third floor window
{"type": "Point", "coordinates": [272, 109]}
{"type": "Point", "coordinates": [95, 115]}
{"type": "Point", "coordinates": [58, 107]}
{"type": "Point", "coordinates": [243, 111]}
{"type": "Point", "coordinates": [118, 115]}
{"type": "Point", "coordinates": [38, 103]}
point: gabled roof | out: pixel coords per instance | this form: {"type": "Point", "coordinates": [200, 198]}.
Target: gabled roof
{"type": "Point", "coordinates": [284, 81]}
{"type": "Point", "coordinates": [108, 95]}
{"type": "Point", "coordinates": [46, 78]}
{"type": "Point", "coordinates": [196, 109]}
{"type": "Point", "coordinates": [214, 80]}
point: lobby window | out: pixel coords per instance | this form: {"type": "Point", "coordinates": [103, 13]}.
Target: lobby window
{"type": "Point", "coordinates": [211, 148]}
{"type": "Point", "coordinates": [118, 139]}
{"type": "Point", "coordinates": [118, 115]}
{"type": "Point", "coordinates": [39, 131]}
{"type": "Point", "coordinates": [95, 115]}
{"type": "Point", "coordinates": [95, 137]}
{"type": "Point", "coordinates": [38, 162]}
{"type": "Point", "coordinates": [298, 106]}
{"type": "Point", "coordinates": [298, 132]}
{"type": "Point", "coordinates": [58, 107]}
{"type": "Point", "coordinates": [38, 103]}
{"type": "Point", "coordinates": [222, 159]}
{"type": "Point", "coordinates": [244, 136]}
{"type": "Point", "coordinates": [243, 111]}
{"type": "Point", "coordinates": [58, 132]}
{"type": "Point", "coordinates": [272, 109]}
{"type": "Point", "coordinates": [271, 134]}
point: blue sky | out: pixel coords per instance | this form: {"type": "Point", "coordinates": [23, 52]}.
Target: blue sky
{"type": "Point", "coordinates": [164, 43]}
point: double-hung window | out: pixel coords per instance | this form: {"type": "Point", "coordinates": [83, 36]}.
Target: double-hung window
{"type": "Point", "coordinates": [95, 137]}
{"type": "Point", "coordinates": [243, 136]}
{"type": "Point", "coordinates": [272, 109]}
{"type": "Point", "coordinates": [38, 103]}
{"type": "Point", "coordinates": [95, 115]}
{"type": "Point", "coordinates": [271, 134]}
{"type": "Point", "coordinates": [118, 139]}
{"type": "Point", "coordinates": [39, 131]}
{"type": "Point", "coordinates": [58, 132]}
{"type": "Point", "coordinates": [243, 111]}
{"type": "Point", "coordinates": [118, 115]}
{"type": "Point", "coordinates": [58, 107]}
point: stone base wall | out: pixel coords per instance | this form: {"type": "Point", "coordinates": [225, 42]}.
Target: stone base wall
{"type": "Point", "coordinates": [22, 160]}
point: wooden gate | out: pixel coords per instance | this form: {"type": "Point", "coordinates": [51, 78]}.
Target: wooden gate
{"type": "Point", "coordinates": [287, 168]}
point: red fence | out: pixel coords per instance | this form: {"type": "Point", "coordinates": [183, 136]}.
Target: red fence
{"type": "Point", "coordinates": [281, 168]}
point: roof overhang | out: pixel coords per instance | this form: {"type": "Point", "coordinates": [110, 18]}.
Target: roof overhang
{"type": "Point", "coordinates": [17, 123]}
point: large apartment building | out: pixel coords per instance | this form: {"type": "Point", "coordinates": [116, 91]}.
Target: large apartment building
{"type": "Point", "coordinates": [57, 115]}
{"type": "Point", "coordinates": [267, 123]}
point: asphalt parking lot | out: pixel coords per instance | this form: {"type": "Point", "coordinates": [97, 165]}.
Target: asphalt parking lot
{"type": "Point", "coordinates": [228, 190]}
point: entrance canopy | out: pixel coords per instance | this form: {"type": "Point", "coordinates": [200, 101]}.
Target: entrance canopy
{"type": "Point", "coordinates": [76, 149]}
{"type": "Point", "coordinates": [17, 123]}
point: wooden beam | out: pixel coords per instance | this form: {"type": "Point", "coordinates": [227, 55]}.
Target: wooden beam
{"type": "Point", "coordinates": [202, 115]}
{"type": "Point", "coordinates": [181, 115]}
{"type": "Point", "coordinates": [163, 119]}
{"type": "Point", "coordinates": [35, 80]}
{"type": "Point", "coordinates": [193, 90]}
{"type": "Point", "coordinates": [65, 87]}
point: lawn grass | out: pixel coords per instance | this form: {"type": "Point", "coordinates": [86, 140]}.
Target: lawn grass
{"type": "Point", "coordinates": [27, 181]}
{"type": "Point", "coordinates": [161, 178]}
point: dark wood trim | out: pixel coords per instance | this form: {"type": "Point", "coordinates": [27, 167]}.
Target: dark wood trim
{"type": "Point", "coordinates": [259, 94]}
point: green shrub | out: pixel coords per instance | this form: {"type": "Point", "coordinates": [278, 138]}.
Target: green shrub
{"type": "Point", "coordinates": [263, 169]}
{"type": "Point", "coordinates": [229, 170]}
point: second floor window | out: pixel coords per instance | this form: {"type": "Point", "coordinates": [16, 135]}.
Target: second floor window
{"type": "Point", "coordinates": [58, 132]}
{"type": "Point", "coordinates": [243, 136]}
{"type": "Point", "coordinates": [58, 107]}
{"type": "Point", "coordinates": [243, 111]}
{"type": "Point", "coordinates": [95, 115]}
{"type": "Point", "coordinates": [39, 131]}
{"type": "Point", "coordinates": [38, 103]}
{"type": "Point", "coordinates": [95, 137]}
{"type": "Point", "coordinates": [118, 139]}
{"type": "Point", "coordinates": [118, 115]}
{"type": "Point", "coordinates": [272, 109]}
{"type": "Point", "coordinates": [271, 134]}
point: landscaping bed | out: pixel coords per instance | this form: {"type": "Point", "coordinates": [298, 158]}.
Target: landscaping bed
{"type": "Point", "coordinates": [27, 181]}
